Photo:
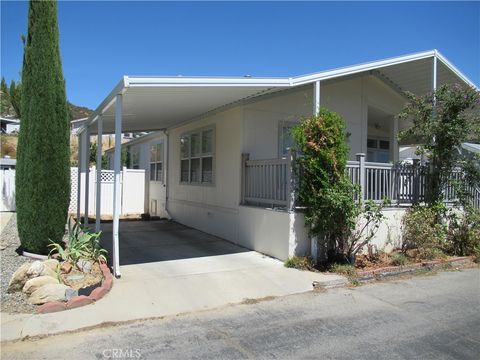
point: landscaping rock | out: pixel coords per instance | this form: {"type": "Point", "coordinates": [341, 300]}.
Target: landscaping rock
{"type": "Point", "coordinates": [35, 269]}
{"type": "Point", "coordinates": [48, 292]}
{"type": "Point", "coordinates": [19, 278]}
{"type": "Point", "coordinates": [35, 283]}
{"type": "Point", "coordinates": [10, 262]}
{"type": "Point", "coordinates": [70, 293]}
{"type": "Point", "coordinates": [52, 264]}
{"type": "Point", "coordinates": [66, 267]}
{"type": "Point", "coordinates": [84, 265]}
{"type": "Point", "coordinates": [49, 272]}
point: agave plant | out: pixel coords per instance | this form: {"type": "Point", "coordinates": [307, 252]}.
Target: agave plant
{"type": "Point", "coordinates": [80, 245]}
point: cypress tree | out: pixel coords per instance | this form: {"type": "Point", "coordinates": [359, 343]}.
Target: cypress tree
{"type": "Point", "coordinates": [43, 172]}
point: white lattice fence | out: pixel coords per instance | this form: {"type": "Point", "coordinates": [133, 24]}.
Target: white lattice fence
{"type": "Point", "coordinates": [131, 182]}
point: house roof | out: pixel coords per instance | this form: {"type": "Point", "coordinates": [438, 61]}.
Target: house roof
{"type": "Point", "coordinates": [9, 120]}
{"type": "Point", "coordinates": [475, 148]}
{"type": "Point", "coordinates": [159, 102]}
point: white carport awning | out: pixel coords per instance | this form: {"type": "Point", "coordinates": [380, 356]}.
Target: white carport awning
{"type": "Point", "coordinates": [155, 103]}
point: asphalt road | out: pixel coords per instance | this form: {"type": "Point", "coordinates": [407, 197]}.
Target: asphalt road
{"type": "Point", "coordinates": [425, 317]}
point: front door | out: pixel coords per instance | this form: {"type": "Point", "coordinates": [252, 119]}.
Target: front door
{"type": "Point", "coordinates": [158, 176]}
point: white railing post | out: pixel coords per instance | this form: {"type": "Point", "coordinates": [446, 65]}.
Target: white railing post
{"type": "Point", "coordinates": [361, 175]}
{"type": "Point", "coordinates": [291, 183]}
{"type": "Point", "coordinates": [416, 181]}
{"type": "Point", "coordinates": [245, 158]}
{"type": "Point", "coordinates": [98, 199]}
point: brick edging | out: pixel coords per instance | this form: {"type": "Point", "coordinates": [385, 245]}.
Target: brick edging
{"type": "Point", "coordinates": [81, 300]}
{"type": "Point", "coordinates": [402, 270]}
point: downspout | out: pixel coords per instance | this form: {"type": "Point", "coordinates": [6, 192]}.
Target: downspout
{"type": "Point", "coordinates": [167, 167]}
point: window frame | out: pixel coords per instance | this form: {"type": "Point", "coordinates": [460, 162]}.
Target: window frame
{"type": "Point", "coordinates": [200, 156]}
{"type": "Point", "coordinates": [373, 151]}
{"type": "Point", "coordinates": [134, 151]}
{"type": "Point", "coordinates": [281, 125]}
{"type": "Point", "coordinates": [158, 160]}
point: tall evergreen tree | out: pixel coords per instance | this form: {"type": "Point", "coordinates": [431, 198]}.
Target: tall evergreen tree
{"type": "Point", "coordinates": [43, 173]}
{"type": "Point", "coordinates": [4, 101]}
{"type": "Point", "coordinates": [15, 97]}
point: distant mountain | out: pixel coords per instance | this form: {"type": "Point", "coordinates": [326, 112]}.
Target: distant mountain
{"type": "Point", "coordinates": [10, 106]}
{"type": "Point", "coordinates": [79, 112]}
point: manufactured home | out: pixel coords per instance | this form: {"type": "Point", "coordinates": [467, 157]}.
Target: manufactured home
{"type": "Point", "coordinates": [216, 156]}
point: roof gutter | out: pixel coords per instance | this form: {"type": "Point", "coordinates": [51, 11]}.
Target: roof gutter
{"type": "Point", "coordinates": [120, 88]}
{"type": "Point", "coordinates": [452, 68]}
{"type": "Point", "coordinates": [350, 70]}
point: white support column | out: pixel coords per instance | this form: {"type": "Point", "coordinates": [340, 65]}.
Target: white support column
{"type": "Point", "coordinates": [361, 176]}
{"type": "Point", "coordinates": [116, 184]}
{"type": "Point", "coordinates": [79, 175]}
{"type": "Point", "coordinates": [316, 98]}
{"type": "Point", "coordinates": [86, 159]}
{"type": "Point", "coordinates": [98, 199]}
{"type": "Point", "coordinates": [434, 73]}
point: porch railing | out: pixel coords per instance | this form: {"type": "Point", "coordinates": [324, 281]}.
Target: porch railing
{"type": "Point", "coordinates": [266, 182]}
{"type": "Point", "coordinates": [271, 182]}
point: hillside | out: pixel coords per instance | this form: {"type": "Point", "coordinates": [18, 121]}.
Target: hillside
{"type": "Point", "coordinates": [10, 103]}
{"type": "Point", "coordinates": [79, 112]}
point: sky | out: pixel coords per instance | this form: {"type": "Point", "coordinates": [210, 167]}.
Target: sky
{"type": "Point", "coordinates": [102, 41]}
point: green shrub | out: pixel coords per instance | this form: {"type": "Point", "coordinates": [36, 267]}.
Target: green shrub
{"type": "Point", "coordinates": [300, 262]}
{"type": "Point", "coordinates": [43, 167]}
{"type": "Point", "coordinates": [80, 245]}
{"type": "Point", "coordinates": [398, 259]}
{"type": "Point", "coordinates": [344, 269]}
{"type": "Point", "coordinates": [463, 236]}
{"type": "Point", "coordinates": [324, 189]}
{"type": "Point", "coordinates": [421, 231]}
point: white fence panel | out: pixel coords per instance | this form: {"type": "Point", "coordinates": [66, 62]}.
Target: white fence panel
{"type": "Point", "coordinates": [8, 190]}
{"type": "Point", "coordinates": [132, 182]}
{"type": "Point", "coordinates": [133, 191]}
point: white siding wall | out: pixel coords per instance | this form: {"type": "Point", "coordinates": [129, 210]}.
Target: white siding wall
{"type": "Point", "coordinates": [210, 208]}
{"type": "Point", "coordinates": [350, 98]}
{"type": "Point", "coordinates": [262, 119]}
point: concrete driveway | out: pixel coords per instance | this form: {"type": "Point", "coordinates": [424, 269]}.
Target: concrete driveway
{"type": "Point", "coordinates": [169, 269]}
{"type": "Point", "coordinates": [162, 240]}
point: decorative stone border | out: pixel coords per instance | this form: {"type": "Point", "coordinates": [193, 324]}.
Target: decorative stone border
{"type": "Point", "coordinates": [82, 300]}
{"type": "Point", "coordinates": [369, 275]}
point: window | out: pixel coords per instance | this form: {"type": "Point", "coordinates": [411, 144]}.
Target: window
{"type": "Point", "coordinates": [156, 162]}
{"type": "Point", "coordinates": [134, 157]}
{"type": "Point", "coordinates": [378, 150]}
{"type": "Point", "coordinates": [197, 153]}
{"type": "Point", "coordinates": [285, 139]}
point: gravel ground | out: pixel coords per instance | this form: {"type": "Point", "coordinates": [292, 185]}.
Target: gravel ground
{"type": "Point", "coordinates": [10, 261]}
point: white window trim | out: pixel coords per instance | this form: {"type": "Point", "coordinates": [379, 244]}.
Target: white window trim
{"type": "Point", "coordinates": [161, 161]}
{"type": "Point", "coordinates": [212, 154]}
{"type": "Point", "coordinates": [134, 149]}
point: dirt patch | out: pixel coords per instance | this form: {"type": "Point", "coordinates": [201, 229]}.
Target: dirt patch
{"type": "Point", "coordinates": [76, 279]}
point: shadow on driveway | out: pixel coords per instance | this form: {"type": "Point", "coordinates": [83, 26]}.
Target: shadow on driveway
{"type": "Point", "coordinates": [161, 240]}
